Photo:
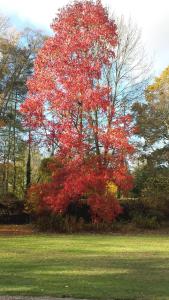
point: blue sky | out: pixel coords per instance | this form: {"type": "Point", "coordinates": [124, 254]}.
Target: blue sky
{"type": "Point", "coordinates": [151, 16]}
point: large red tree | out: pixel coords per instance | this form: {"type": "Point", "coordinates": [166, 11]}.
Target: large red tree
{"type": "Point", "coordinates": [70, 108]}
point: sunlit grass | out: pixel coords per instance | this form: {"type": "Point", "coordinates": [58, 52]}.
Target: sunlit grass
{"type": "Point", "coordinates": [85, 266]}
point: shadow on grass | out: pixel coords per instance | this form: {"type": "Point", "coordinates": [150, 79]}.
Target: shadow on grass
{"type": "Point", "coordinates": [106, 277]}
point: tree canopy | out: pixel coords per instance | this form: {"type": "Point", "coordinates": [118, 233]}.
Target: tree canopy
{"type": "Point", "coordinates": [70, 106]}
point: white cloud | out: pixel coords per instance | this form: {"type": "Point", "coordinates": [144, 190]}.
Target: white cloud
{"type": "Point", "coordinates": [151, 16]}
{"type": "Point", "coordinates": [37, 12]}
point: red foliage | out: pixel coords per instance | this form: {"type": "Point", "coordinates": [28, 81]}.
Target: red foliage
{"type": "Point", "coordinates": [69, 106]}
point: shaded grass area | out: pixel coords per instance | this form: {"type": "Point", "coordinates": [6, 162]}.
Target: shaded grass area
{"type": "Point", "coordinates": [85, 266]}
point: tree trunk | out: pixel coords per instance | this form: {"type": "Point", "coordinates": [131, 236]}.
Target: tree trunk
{"type": "Point", "coordinates": [28, 165]}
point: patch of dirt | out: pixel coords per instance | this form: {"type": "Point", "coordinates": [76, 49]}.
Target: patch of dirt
{"type": "Point", "coordinates": [16, 230]}
{"type": "Point", "coordinates": [127, 229]}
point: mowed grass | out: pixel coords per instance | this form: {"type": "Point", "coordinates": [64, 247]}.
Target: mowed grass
{"type": "Point", "coordinates": [85, 266]}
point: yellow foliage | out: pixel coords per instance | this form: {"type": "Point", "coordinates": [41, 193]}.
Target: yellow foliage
{"type": "Point", "coordinates": [112, 187]}
{"type": "Point", "coordinates": [160, 82]}
{"type": "Point", "coordinates": [159, 90]}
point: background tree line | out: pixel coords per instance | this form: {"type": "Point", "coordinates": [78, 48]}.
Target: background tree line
{"type": "Point", "coordinates": [17, 53]}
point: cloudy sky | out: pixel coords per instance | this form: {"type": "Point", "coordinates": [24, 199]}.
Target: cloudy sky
{"type": "Point", "coordinates": [151, 16]}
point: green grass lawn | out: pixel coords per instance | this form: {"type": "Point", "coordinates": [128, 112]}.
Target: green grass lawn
{"type": "Point", "coordinates": [85, 266]}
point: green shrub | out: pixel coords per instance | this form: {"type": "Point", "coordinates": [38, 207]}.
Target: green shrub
{"type": "Point", "coordinates": [146, 222]}
{"type": "Point", "coordinates": [70, 224]}
{"type": "Point", "coordinates": [59, 223]}
{"type": "Point", "coordinates": [131, 207]}
{"type": "Point", "coordinates": [50, 222]}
